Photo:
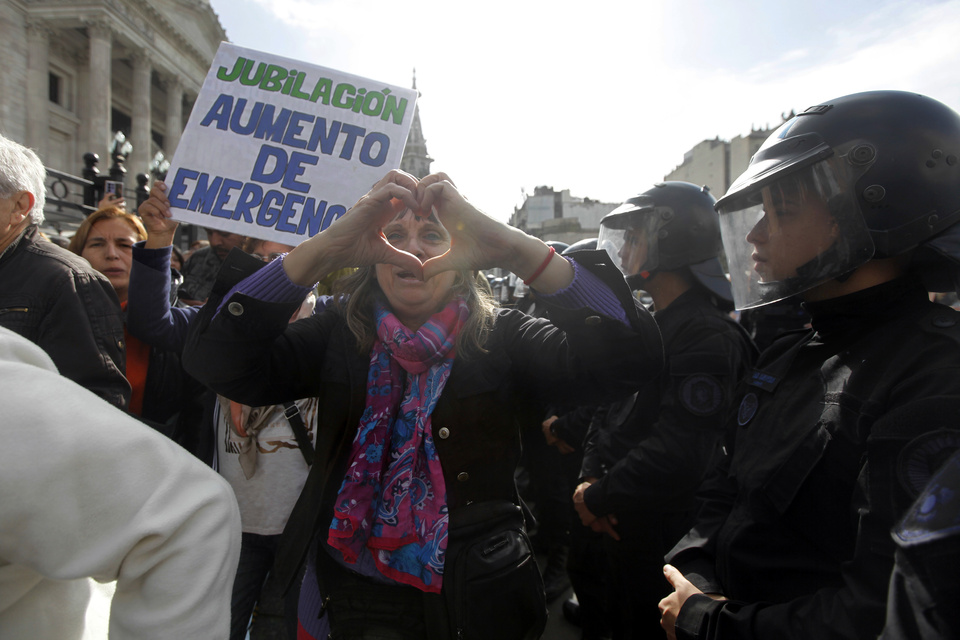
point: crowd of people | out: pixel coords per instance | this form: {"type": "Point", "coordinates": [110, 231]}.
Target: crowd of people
{"type": "Point", "coordinates": [350, 416]}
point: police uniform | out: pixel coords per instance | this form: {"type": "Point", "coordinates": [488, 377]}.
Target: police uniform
{"type": "Point", "coordinates": [925, 585]}
{"type": "Point", "coordinates": [652, 451]}
{"type": "Point", "coordinates": [835, 428]}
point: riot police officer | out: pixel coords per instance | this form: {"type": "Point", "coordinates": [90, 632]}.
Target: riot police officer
{"type": "Point", "coordinates": [645, 457]}
{"type": "Point", "coordinates": [854, 205]}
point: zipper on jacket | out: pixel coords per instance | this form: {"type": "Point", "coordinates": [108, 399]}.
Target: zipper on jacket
{"type": "Point", "coordinates": [15, 310]}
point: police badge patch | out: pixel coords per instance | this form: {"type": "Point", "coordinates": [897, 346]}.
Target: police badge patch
{"type": "Point", "coordinates": [701, 395]}
{"type": "Point", "coordinates": [922, 456]}
{"type": "Point", "coordinates": [748, 409]}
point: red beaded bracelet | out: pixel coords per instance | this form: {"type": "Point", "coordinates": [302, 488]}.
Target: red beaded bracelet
{"type": "Point", "coordinates": [541, 268]}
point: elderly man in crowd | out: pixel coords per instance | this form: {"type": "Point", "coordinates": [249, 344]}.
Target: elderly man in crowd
{"type": "Point", "coordinates": [51, 296]}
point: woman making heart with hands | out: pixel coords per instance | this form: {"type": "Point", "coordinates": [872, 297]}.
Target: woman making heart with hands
{"type": "Point", "coordinates": [421, 382]}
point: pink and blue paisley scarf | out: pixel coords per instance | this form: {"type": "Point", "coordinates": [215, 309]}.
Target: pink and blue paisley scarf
{"type": "Point", "coordinates": [393, 500]}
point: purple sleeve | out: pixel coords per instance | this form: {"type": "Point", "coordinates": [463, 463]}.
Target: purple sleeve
{"type": "Point", "coordinates": [587, 290]}
{"type": "Point", "coordinates": [269, 284]}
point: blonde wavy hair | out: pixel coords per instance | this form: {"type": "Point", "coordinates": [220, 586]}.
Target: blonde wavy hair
{"type": "Point", "coordinates": [355, 295]}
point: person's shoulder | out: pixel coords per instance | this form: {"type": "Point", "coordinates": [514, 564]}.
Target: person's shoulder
{"type": "Point", "coordinates": [938, 321]}
{"type": "Point", "coordinates": [50, 257]}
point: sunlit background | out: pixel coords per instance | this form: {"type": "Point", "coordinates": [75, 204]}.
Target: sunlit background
{"type": "Point", "coordinates": [603, 98]}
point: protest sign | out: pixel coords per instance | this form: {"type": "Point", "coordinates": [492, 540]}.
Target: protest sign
{"type": "Point", "coordinates": [278, 149]}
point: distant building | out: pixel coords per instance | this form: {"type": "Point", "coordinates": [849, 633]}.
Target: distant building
{"type": "Point", "coordinates": [74, 73]}
{"type": "Point", "coordinates": [717, 163]}
{"type": "Point", "coordinates": [416, 160]}
{"type": "Point", "coordinates": [556, 215]}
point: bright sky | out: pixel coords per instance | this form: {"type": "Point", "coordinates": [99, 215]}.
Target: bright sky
{"type": "Point", "coordinates": [603, 98]}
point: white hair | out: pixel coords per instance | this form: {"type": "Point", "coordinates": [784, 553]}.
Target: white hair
{"type": "Point", "coordinates": [22, 170]}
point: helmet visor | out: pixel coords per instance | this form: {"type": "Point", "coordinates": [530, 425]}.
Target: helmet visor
{"type": "Point", "coordinates": [789, 234]}
{"type": "Point", "coordinates": [629, 235]}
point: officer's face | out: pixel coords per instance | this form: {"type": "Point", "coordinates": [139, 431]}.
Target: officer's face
{"type": "Point", "coordinates": [633, 253]}
{"type": "Point", "coordinates": [795, 228]}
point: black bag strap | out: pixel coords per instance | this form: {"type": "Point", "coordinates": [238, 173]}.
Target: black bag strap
{"type": "Point", "coordinates": [292, 413]}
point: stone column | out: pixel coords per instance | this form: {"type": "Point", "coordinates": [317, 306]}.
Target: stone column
{"type": "Point", "coordinates": [38, 87]}
{"type": "Point", "coordinates": [98, 89]}
{"type": "Point", "coordinates": [171, 139]}
{"type": "Point", "coordinates": [140, 134]}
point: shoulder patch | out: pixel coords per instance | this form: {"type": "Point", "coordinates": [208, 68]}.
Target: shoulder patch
{"type": "Point", "coordinates": [701, 395]}
{"type": "Point", "coordinates": [936, 512]}
{"type": "Point", "coordinates": [922, 456]}
{"type": "Point", "coordinates": [748, 409]}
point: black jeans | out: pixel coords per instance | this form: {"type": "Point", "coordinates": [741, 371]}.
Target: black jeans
{"type": "Point", "coordinates": [256, 558]}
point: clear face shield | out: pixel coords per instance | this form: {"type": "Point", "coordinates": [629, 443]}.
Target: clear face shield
{"type": "Point", "coordinates": [629, 235]}
{"type": "Point", "coordinates": [788, 235]}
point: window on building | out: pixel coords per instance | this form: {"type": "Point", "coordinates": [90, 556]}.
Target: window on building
{"type": "Point", "coordinates": [119, 121]}
{"type": "Point", "coordinates": [61, 83]}
{"type": "Point", "coordinates": [56, 88]}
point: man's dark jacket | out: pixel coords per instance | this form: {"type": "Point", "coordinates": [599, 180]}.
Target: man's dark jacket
{"type": "Point", "coordinates": [58, 301]}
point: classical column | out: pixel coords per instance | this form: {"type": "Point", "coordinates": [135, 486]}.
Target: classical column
{"type": "Point", "coordinates": [140, 136]}
{"type": "Point", "coordinates": [174, 116]}
{"type": "Point", "coordinates": [38, 87]}
{"type": "Point", "coordinates": [98, 90]}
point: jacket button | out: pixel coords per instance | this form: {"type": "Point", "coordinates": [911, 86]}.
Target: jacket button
{"type": "Point", "coordinates": [235, 309]}
{"type": "Point", "coordinates": [591, 320]}
{"type": "Point", "coordinates": [444, 433]}
{"type": "Point", "coordinates": [463, 476]}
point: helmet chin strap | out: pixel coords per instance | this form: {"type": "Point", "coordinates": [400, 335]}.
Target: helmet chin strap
{"type": "Point", "coordinates": [637, 280]}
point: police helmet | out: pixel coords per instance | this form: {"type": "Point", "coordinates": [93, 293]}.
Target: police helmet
{"type": "Point", "coordinates": [671, 226]}
{"type": "Point", "coordinates": [558, 246]}
{"type": "Point", "coordinates": [587, 244]}
{"type": "Point", "coordinates": [869, 175]}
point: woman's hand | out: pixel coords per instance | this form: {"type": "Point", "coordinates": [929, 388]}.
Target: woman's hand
{"type": "Point", "coordinates": [111, 200]}
{"type": "Point", "coordinates": [157, 217]}
{"type": "Point", "coordinates": [356, 239]}
{"type": "Point", "coordinates": [481, 242]}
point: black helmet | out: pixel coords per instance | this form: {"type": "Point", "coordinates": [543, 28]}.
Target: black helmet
{"type": "Point", "coordinates": [558, 246]}
{"type": "Point", "coordinates": [679, 228]}
{"type": "Point", "coordinates": [882, 167]}
{"type": "Point", "coordinates": [587, 244]}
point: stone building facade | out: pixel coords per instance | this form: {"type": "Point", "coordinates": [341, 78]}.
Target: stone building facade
{"type": "Point", "coordinates": [716, 163]}
{"type": "Point", "coordinates": [73, 72]}
{"type": "Point", "coordinates": [556, 215]}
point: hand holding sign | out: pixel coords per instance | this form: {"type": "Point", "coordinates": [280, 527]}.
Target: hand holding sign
{"type": "Point", "coordinates": [157, 217]}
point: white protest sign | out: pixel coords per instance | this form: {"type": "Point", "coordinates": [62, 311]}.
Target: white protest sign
{"type": "Point", "coordinates": [278, 149]}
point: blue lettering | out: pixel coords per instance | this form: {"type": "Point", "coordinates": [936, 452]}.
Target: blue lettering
{"type": "Point", "coordinates": [219, 112]}
{"type": "Point", "coordinates": [295, 168]}
{"type": "Point", "coordinates": [252, 121]}
{"type": "Point", "coordinates": [371, 139]}
{"type": "Point", "coordinates": [267, 127]}
{"type": "Point", "coordinates": [266, 153]}
{"type": "Point", "coordinates": [224, 196]}
{"type": "Point", "coordinates": [250, 197]}
{"type": "Point", "coordinates": [178, 187]}
{"type": "Point", "coordinates": [267, 217]}
{"type": "Point", "coordinates": [205, 194]}
{"type": "Point", "coordinates": [352, 132]}
{"type": "Point", "coordinates": [295, 128]}
{"type": "Point", "coordinates": [327, 140]}
{"type": "Point", "coordinates": [333, 214]}
{"type": "Point", "coordinates": [311, 218]}
{"type": "Point", "coordinates": [288, 212]}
